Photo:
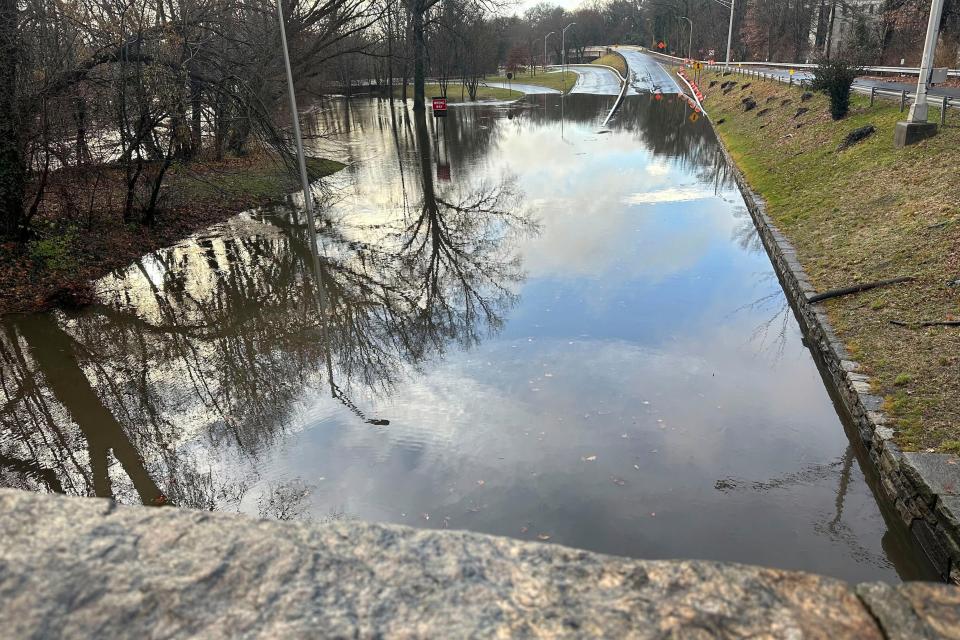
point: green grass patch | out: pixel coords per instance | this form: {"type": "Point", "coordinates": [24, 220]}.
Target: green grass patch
{"type": "Point", "coordinates": [54, 253]}
{"type": "Point", "coordinates": [551, 79]}
{"type": "Point", "coordinates": [861, 214]}
{"type": "Point", "coordinates": [256, 178]}
{"type": "Point", "coordinates": [614, 60]}
{"type": "Point", "coordinates": [455, 95]}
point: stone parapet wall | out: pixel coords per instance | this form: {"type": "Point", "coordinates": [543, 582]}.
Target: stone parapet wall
{"type": "Point", "coordinates": [923, 487]}
{"type": "Point", "coordinates": [86, 568]}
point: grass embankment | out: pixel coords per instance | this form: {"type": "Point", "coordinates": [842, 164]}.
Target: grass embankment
{"type": "Point", "coordinates": [454, 94]}
{"type": "Point", "coordinates": [79, 233]}
{"type": "Point", "coordinates": [863, 214]}
{"type": "Point", "coordinates": [551, 79]}
{"type": "Point", "coordinates": [614, 60]}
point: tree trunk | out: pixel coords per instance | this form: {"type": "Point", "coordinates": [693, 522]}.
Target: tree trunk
{"type": "Point", "coordinates": [419, 56]}
{"type": "Point", "coordinates": [196, 117]}
{"type": "Point", "coordinates": [12, 170]}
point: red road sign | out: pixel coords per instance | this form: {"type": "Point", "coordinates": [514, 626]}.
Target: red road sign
{"type": "Point", "coordinates": [439, 107]}
{"type": "Point", "coordinates": [661, 45]}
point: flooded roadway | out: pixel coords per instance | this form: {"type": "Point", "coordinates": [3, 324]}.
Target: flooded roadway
{"type": "Point", "coordinates": [519, 324]}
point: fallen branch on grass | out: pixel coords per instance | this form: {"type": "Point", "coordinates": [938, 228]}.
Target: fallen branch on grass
{"type": "Point", "coordinates": [927, 323]}
{"type": "Point", "coordinates": [857, 288]}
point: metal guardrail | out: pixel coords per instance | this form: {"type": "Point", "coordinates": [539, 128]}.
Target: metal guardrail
{"type": "Point", "coordinates": [915, 71]}
{"type": "Point", "coordinates": [624, 88]}
{"type": "Point", "coordinates": [945, 102]}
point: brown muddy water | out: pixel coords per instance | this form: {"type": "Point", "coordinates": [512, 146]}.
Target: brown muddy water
{"type": "Point", "coordinates": [517, 322]}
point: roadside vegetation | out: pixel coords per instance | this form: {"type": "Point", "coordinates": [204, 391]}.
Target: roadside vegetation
{"type": "Point", "coordinates": [87, 238]}
{"type": "Point", "coordinates": [614, 60]}
{"type": "Point", "coordinates": [551, 79]}
{"type": "Point", "coordinates": [863, 211]}
{"type": "Point", "coordinates": [460, 94]}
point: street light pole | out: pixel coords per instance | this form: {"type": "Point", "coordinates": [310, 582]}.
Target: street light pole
{"type": "Point", "coordinates": [690, 45]}
{"type": "Point", "coordinates": [918, 110]}
{"type": "Point", "coordinates": [730, 35]}
{"type": "Point", "coordinates": [545, 50]}
{"type": "Point", "coordinates": [298, 138]}
{"type": "Point", "coordinates": [563, 45]}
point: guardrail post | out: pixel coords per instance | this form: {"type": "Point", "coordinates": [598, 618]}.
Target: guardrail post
{"type": "Point", "coordinates": [903, 100]}
{"type": "Point", "coordinates": [873, 92]}
{"type": "Point", "coordinates": [943, 111]}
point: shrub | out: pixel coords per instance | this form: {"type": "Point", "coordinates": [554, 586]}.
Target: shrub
{"type": "Point", "coordinates": [835, 77]}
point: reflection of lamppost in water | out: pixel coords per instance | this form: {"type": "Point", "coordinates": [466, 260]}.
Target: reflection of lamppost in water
{"type": "Point", "coordinates": [563, 45]}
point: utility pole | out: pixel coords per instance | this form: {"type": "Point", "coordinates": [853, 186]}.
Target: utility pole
{"type": "Point", "coordinates": [689, 46]}
{"type": "Point", "coordinates": [298, 138]}
{"type": "Point", "coordinates": [730, 35]}
{"type": "Point", "coordinates": [916, 127]}
{"type": "Point", "coordinates": [545, 50]}
{"type": "Point", "coordinates": [563, 45]}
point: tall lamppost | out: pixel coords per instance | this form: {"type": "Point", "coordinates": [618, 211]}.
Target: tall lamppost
{"type": "Point", "coordinates": [563, 45]}
{"type": "Point", "coordinates": [545, 50]}
{"type": "Point", "coordinates": [298, 138]}
{"type": "Point", "coordinates": [730, 35]}
{"type": "Point", "coordinates": [689, 46]}
{"type": "Point", "coordinates": [916, 127]}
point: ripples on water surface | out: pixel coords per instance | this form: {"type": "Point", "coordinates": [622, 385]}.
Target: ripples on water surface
{"type": "Point", "coordinates": [527, 326]}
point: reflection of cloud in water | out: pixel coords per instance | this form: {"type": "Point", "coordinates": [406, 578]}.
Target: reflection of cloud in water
{"type": "Point", "coordinates": [658, 169]}
{"type": "Point", "coordinates": [593, 207]}
{"type": "Point", "coordinates": [667, 195]}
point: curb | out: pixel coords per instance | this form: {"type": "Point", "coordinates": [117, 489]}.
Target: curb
{"type": "Point", "coordinates": [924, 488]}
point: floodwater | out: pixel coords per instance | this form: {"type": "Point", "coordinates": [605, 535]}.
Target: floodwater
{"type": "Point", "coordinates": [515, 322]}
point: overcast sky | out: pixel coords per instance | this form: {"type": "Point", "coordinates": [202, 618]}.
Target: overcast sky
{"type": "Point", "coordinates": [522, 5]}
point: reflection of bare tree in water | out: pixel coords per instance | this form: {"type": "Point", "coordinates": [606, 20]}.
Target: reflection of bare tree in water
{"type": "Point", "coordinates": [457, 246]}
{"type": "Point", "coordinates": [771, 333]}
{"type": "Point", "coordinates": [745, 234]}
{"type": "Point", "coordinates": [210, 346]}
{"type": "Point", "coordinates": [834, 528]}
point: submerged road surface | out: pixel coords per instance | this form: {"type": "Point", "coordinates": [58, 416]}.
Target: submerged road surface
{"type": "Point", "coordinates": [510, 323]}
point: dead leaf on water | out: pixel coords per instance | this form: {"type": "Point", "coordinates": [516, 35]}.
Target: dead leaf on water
{"type": "Point", "coordinates": [620, 482]}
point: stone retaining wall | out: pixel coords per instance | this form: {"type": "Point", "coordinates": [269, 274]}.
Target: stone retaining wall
{"type": "Point", "coordinates": [87, 568]}
{"type": "Point", "coordinates": [924, 487]}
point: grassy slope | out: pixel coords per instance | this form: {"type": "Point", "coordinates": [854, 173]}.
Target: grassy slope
{"type": "Point", "coordinates": [863, 214]}
{"type": "Point", "coordinates": [454, 95]}
{"type": "Point", "coordinates": [553, 80]}
{"type": "Point", "coordinates": [614, 60]}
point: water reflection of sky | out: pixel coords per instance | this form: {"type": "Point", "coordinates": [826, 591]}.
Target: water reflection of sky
{"type": "Point", "coordinates": [647, 394]}
{"type": "Point", "coordinates": [632, 376]}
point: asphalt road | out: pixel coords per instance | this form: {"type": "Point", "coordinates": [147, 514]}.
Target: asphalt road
{"type": "Point", "coordinates": [595, 80]}
{"type": "Point", "coordinates": [863, 83]}
{"type": "Point", "coordinates": [646, 74]}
